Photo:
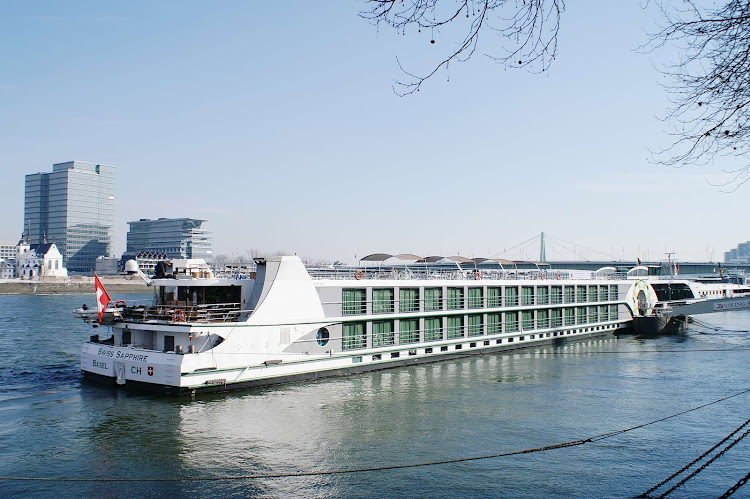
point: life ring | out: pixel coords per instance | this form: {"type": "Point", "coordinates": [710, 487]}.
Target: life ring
{"type": "Point", "coordinates": [358, 275]}
{"type": "Point", "coordinates": [542, 276]}
{"type": "Point", "coordinates": [559, 276]}
{"type": "Point", "coordinates": [178, 316]}
{"type": "Point", "coordinates": [477, 275]}
{"type": "Point", "coordinates": [120, 303]}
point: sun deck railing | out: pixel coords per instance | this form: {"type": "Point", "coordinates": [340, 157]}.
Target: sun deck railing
{"type": "Point", "coordinates": [217, 312]}
{"type": "Point", "coordinates": [407, 273]}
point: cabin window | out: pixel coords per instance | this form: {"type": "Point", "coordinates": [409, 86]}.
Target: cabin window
{"type": "Point", "coordinates": [494, 326]}
{"type": "Point", "coordinates": [408, 330]}
{"type": "Point", "coordinates": [511, 321]}
{"type": "Point", "coordinates": [511, 296]}
{"type": "Point", "coordinates": [593, 314]}
{"type": "Point", "coordinates": [353, 302]}
{"type": "Point", "coordinates": [527, 320]}
{"type": "Point", "coordinates": [408, 300]}
{"type": "Point", "coordinates": [613, 292]}
{"type": "Point", "coordinates": [455, 326]}
{"type": "Point", "coordinates": [542, 319]}
{"type": "Point", "coordinates": [604, 313]}
{"type": "Point", "coordinates": [494, 297]}
{"type": "Point", "coordinates": [570, 316]}
{"type": "Point", "coordinates": [570, 294]}
{"type": "Point", "coordinates": [581, 294]}
{"type": "Point", "coordinates": [527, 295]}
{"type": "Point", "coordinates": [542, 295]}
{"type": "Point", "coordinates": [476, 300]}
{"type": "Point", "coordinates": [127, 337]}
{"type": "Point", "coordinates": [382, 333]}
{"type": "Point", "coordinates": [613, 312]}
{"type": "Point", "coordinates": [353, 335]}
{"type": "Point", "coordinates": [593, 293]}
{"type": "Point", "coordinates": [433, 328]}
{"type": "Point", "coordinates": [322, 336]}
{"type": "Point", "coordinates": [455, 298]}
{"type": "Point", "coordinates": [581, 315]}
{"type": "Point", "coordinates": [555, 317]}
{"type": "Point", "coordinates": [603, 293]}
{"type": "Point", "coordinates": [168, 343]}
{"type": "Point", "coordinates": [382, 301]}
{"type": "Point", "coordinates": [475, 325]}
{"type": "Point", "coordinates": [555, 295]}
{"type": "Point", "coordinates": [433, 299]}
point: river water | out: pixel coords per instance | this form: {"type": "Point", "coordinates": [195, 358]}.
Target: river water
{"type": "Point", "coordinates": [54, 425]}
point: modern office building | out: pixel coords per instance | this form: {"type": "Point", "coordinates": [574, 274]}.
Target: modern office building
{"type": "Point", "coordinates": [8, 250]}
{"type": "Point", "coordinates": [73, 206]}
{"type": "Point", "coordinates": [740, 254]}
{"type": "Point", "coordinates": [173, 237]}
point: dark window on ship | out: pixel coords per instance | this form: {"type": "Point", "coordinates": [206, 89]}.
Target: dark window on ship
{"type": "Point", "coordinates": [676, 291]}
{"type": "Point", "coordinates": [322, 336]}
{"type": "Point", "coordinates": [395, 355]}
{"type": "Point", "coordinates": [127, 337]}
{"type": "Point", "coordinates": [168, 343]}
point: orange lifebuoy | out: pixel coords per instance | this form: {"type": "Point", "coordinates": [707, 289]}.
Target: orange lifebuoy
{"type": "Point", "coordinates": [359, 275]}
{"type": "Point", "coordinates": [559, 275]}
{"type": "Point", "coordinates": [178, 316]}
{"type": "Point", "coordinates": [120, 303]}
{"type": "Point", "coordinates": [542, 276]}
{"type": "Point", "coordinates": [477, 275]}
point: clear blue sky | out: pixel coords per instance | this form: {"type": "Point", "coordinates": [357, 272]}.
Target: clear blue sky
{"type": "Point", "coordinates": [277, 122]}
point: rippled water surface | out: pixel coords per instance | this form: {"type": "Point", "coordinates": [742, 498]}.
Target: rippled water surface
{"type": "Point", "coordinates": [54, 425]}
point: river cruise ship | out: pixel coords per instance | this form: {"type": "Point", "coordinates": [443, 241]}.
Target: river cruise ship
{"type": "Point", "coordinates": [285, 322]}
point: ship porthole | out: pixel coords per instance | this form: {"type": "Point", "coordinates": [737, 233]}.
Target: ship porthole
{"type": "Point", "coordinates": [322, 336]}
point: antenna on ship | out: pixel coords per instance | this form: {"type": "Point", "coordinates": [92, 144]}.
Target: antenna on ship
{"type": "Point", "coordinates": [542, 250]}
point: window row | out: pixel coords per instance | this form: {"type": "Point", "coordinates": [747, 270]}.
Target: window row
{"type": "Point", "coordinates": [442, 328]}
{"type": "Point", "coordinates": [354, 301]}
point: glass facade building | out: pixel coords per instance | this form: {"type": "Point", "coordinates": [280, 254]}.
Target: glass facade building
{"type": "Point", "coordinates": [174, 237]}
{"type": "Point", "coordinates": [73, 207]}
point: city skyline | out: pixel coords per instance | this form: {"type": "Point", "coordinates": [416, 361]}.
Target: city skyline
{"type": "Point", "coordinates": [304, 147]}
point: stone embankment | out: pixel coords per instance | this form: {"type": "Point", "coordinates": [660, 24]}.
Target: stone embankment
{"type": "Point", "coordinates": [71, 285]}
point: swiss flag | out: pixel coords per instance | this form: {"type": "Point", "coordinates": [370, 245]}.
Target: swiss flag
{"type": "Point", "coordinates": [102, 297]}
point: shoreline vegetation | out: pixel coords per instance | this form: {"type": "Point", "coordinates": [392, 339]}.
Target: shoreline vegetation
{"type": "Point", "coordinates": [70, 285]}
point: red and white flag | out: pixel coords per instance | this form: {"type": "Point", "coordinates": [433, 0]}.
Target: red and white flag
{"type": "Point", "coordinates": [102, 297]}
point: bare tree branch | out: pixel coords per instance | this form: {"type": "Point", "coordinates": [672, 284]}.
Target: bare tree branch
{"type": "Point", "coordinates": [709, 86]}
{"type": "Point", "coordinates": [527, 30]}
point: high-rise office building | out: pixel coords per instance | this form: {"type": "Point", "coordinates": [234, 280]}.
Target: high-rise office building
{"type": "Point", "coordinates": [74, 207]}
{"type": "Point", "coordinates": [174, 237]}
